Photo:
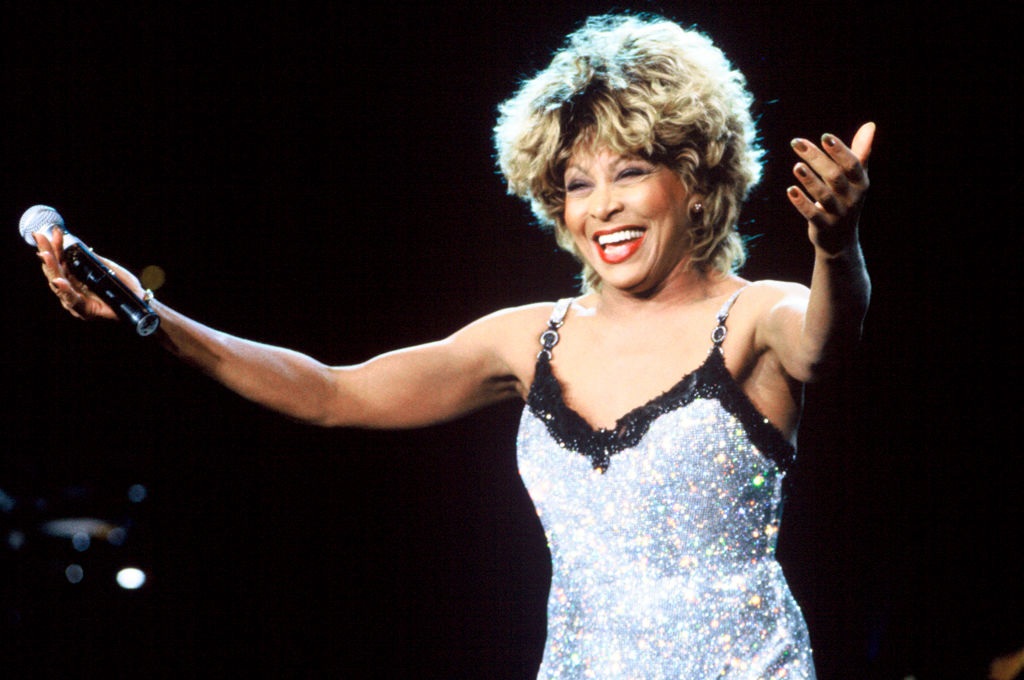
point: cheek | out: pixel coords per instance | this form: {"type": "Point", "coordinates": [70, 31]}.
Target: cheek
{"type": "Point", "coordinates": [669, 211]}
{"type": "Point", "coordinates": [572, 217]}
{"type": "Point", "coordinates": [675, 206]}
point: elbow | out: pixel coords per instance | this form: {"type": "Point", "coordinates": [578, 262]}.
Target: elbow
{"type": "Point", "coordinates": [824, 363]}
{"type": "Point", "coordinates": [343, 399]}
{"type": "Point", "coordinates": [332, 408]}
{"type": "Point", "coordinates": [816, 371]}
{"type": "Point", "coordinates": [320, 402]}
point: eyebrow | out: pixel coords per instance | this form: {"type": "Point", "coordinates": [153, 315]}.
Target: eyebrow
{"type": "Point", "coordinates": [619, 160]}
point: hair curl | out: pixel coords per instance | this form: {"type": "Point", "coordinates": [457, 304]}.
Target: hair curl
{"type": "Point", "coordinates": [638, 85]}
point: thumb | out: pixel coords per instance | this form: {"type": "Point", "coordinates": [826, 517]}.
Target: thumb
{"type": "Point", "coordinates": [862, 141]}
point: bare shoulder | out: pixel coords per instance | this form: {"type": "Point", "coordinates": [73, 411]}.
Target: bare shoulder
{"type": "Point", "coordinates": [762, 300]}
{"type": "Point", "coordinates": [512, 321]}
{"type": "Point", "coordinates": [768, 292]}
{"type": "Point", "coordinates": [511, 336]}
{"type": "Point", "coordinates": [773, 310]}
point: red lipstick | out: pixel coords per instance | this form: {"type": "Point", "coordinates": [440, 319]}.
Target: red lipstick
{"type": "Point", "coordinates": [615, 250]}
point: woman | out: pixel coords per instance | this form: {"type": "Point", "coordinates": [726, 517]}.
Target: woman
{"type": "Point", "coordinates": [636, 144]}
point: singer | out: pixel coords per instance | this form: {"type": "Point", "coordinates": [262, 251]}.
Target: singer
{"type": "Point", "coordinates": [660, 494]}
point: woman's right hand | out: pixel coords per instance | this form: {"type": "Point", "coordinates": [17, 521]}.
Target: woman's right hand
{"type": "Point", "coordinates": [74, 296]}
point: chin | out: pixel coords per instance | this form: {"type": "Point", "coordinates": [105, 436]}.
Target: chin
{"type": "Point", "coordinates": [635, 285]}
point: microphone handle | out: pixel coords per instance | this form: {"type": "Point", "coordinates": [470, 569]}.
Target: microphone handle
{"type": "Point", "coordinates": [88, 269]}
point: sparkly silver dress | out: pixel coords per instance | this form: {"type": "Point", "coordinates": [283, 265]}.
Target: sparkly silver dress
{"type": "Point", "coordinates": [662, 532]}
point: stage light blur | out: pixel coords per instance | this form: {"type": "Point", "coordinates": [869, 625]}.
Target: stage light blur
{"type": "Point", "coordinates": [137, 493]}
{"type": "Point", "coordinates": [152, 277]}
{"type": "Point", "coordinates": [74, 573]}
{"type": "Point", "coordinates": [116, 536]}
{"type": "Point", "coordinates": [131, 578]}
{"type": "Point", "coordinates": [7, 503]}
{"type": "Point", "coordinates": [16, 539]}
{"type": "Point", "coordinates": [81, 541]}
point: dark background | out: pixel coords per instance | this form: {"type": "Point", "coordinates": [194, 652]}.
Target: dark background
{"type": "Point", "coordinates": [321, 177]}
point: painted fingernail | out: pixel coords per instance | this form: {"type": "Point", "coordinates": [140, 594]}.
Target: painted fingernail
{"type": "Point", "coordinates": [798, 144]}
{"type": "Point", "coordinates": [801, 170]}
{"type": "Point", "coordinates": [828, 140]}
{"type": "Point", "coordinates": [794, 192]}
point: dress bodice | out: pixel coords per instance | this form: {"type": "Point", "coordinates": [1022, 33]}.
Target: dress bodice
{"type": "Point", "coordinates": [662, 532]}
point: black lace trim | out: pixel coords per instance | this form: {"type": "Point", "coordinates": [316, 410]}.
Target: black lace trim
{"type": "Point", "coordinates": [711, 380]}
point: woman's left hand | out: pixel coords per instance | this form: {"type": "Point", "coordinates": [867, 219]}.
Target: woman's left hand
{"type": "Point", "coordinates": [835, 181]}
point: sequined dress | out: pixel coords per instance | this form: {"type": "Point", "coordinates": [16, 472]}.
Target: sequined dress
{"type": "Point", "coordinates": [662, 532]}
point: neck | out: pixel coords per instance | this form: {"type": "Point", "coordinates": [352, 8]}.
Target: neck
{"type": "Point", "coordinates": [687, 285]}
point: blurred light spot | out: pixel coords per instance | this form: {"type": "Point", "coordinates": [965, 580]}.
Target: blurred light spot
{"type": "Point", "coordinates": [131, 578]}
{"type": "Point", "coordinates": [75, 573]}
{"type": "Point", "coordinates": [16, 539]}
{"type": "Point", "coordinates": [137, 493]}
{"type": "Point", "coordinates": [6, 502]}
{"type": "Point", "coordinates": [81, 541]}
{"type": "Point", "coordinates": [70, 526]}
{"type": "Point", "coordinates": [116, 536]}
{"type": "Point", "coordinates": [152, 277]}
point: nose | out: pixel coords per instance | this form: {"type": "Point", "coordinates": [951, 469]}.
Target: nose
{"type": "Point", "coordinates": [604, 202]}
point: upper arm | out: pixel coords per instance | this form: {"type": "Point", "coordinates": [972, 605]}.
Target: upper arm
{"type": "Point", "coordinates": [780, 328]}
{"type": "Point", "coordinates": [437, 381]}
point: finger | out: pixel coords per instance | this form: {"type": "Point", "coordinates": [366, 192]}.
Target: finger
{"type": "Point", "coordinates": [862, 141]}
{"type": "Point", "coordinates": [817, 189]}
{"type": "Point", "coordinates": [839, 167]}
{"type": "Point", "coordinates": [69, 298]}
{"type": "Point", "coordinates": [844, 156]}
{"type": "Point", "coordinates": [43, 244]}
{"type": "Point", "coordinates": [50, 267]}
{"type": "Point", "coordinates": [53, 268]}
{"type": "Point", "coordinates": [805, 206]}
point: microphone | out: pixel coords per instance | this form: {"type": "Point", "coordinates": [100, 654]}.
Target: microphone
{"type": "Point", "coordinates": [90, 270]}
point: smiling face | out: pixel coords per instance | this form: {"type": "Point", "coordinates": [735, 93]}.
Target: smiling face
{"type": "Point", "coordinates": [628, 217]}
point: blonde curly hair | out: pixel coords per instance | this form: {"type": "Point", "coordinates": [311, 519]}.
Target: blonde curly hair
{"type": "Point", "coordinates": [637, 85]}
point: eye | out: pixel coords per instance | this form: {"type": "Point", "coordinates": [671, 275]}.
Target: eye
{"type": "Point", "coordinates": [633, 171]}
{"type": "Point", "coordinates": [575, 185]}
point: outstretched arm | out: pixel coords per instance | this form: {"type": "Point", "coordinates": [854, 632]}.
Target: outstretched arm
{"type": "Point", "coordinates": [407, 388]}
{"type": "Point", "coordinates": [411, 387]}
{"type": "Point", "coordinates": [811, 331]}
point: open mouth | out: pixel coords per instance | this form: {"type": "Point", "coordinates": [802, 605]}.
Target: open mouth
{"type": "Point", "coordinates": [616, 246]}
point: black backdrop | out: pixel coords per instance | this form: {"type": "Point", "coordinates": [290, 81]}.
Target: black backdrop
{"type": "Point", "coordinates": [321, 177]}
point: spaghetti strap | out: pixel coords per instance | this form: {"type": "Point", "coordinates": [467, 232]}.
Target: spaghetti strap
{"type": "Point", "coordinates": [549, 338]}
{"type": "Point", "coordinates": [720, 331]}
{"type": "Point", "coordinates": [559, 312]}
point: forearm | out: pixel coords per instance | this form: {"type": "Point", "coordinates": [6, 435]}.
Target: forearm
{"type": "Point", "coordinates": [839, 296]}
{"type": "Point", "coordinates": [410, 387]}
{"type": "Point", "coordinates": [280, 379]}
{"type": "Point", "coordinates": [834, 180]}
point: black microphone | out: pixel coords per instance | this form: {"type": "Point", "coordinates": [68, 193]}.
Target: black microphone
{"type": "Point", "coordinates": [90, 270]}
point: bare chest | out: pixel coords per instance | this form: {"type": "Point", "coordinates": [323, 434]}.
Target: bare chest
{"type": "Point", "coordinates": [602, 379]}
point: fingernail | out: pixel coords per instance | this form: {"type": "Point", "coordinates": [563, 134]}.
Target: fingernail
{"type": "Point", "coordinates": [798, 144]}
{"type": "Point", "coordinates": [801, 170]}
{"type": "Point", "coordinates": [828, 140]}
{"type": "Point", "coordinates": [794, 192]}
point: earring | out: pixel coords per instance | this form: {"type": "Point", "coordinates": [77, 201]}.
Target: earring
{"type": "Point", "coordinates": [697, 210]}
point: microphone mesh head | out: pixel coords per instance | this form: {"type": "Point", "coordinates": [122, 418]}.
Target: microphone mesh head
{"type": "Point", "coordinates": [39, 218]}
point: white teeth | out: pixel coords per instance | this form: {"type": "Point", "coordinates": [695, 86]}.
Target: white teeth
{"type": "Point", "coordinates": [619, 236]}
